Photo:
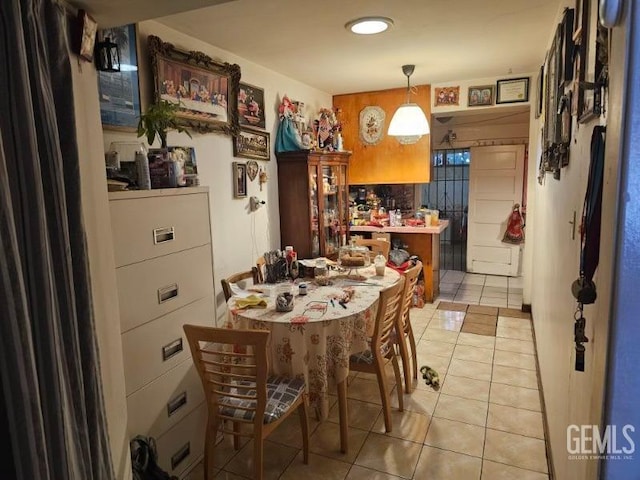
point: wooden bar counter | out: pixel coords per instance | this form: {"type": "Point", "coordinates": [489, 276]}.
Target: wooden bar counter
{"type": "Point", "coordinates": [421, 241]}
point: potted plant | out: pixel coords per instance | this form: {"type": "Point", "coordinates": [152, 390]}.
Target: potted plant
{"type": "Point", "coordinates": [158, 120]}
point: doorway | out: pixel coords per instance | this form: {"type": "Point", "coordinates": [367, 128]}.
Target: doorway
{"type": "Point", "coordinates": [448, 192]}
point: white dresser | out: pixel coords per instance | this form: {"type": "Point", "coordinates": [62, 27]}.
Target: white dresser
{"type": "Point", "coordinates": [164, 269]}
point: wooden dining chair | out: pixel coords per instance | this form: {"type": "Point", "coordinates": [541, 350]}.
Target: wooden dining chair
{"type": "Point", "coordinates": [232, 365]}
{"type": "Point", "coordinates": [261, 266]}
{"type": "Point", "coordinates": [381, 351]}
{"type": "Point", "coordinates": [235, 278]}
{"type": "Point", "coordinates": [376, 246]}
{"type": "Point", "coordinates": [404, 337]}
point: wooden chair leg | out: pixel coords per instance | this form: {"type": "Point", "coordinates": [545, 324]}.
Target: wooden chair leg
{"type": "Point", "coordinates": [414, 354]}
{"type": "Point", "coordinates": [396, 371]}
{"type": "Point", "coordinates": [258, 454]}
{"type": "Point", "coordinates": [236, 437]}
{"type": "Point", "coordinates": [209, 447]}
{"type": "Point", "coordinates": [304, 425]}
{"type": "Point", "coordinates": [344, 421]}
{"type": "Point", "coordinates": [406, 367]}
{"type": "Point", "coordinates": [384, 395]}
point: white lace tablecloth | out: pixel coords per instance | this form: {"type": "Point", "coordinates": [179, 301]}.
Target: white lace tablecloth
{"type": "Point", "coordinates": [317, 337]}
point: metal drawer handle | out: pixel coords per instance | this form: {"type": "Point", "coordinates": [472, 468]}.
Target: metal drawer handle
{"type": "Point", "coordinates": [167, 293]}
{"type": "Point", "coordinates": [163, 235]}
{"type": "Point", "coordinates": [171, 349]}
{"type": "Point", "coordinates": [180, 455]}
{"type": "Point", "coordinates": [176, 404]}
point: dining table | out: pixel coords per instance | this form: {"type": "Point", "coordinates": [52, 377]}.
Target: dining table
{"type": "Point", "coordinates": [325, 327]}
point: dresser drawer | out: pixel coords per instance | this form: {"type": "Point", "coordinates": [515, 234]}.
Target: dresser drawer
{"type": "Point", "coordinates": [149, 227]}
{"type": "Point", "coordinates": [156, 287]}
{"type": "Point", "coordinates": [161, 404]}
{"type": "Point", "coordinates": [154, 348]}
{"type": "Point", "coordinates": [181, 446]}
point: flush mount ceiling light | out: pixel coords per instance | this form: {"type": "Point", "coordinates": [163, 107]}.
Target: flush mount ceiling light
{"type": "Point", "coordinates": [409, 123]}
{"type": "Point", "coordinates": [369, 25]}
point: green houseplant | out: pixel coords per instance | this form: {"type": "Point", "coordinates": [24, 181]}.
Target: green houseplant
{"type": "Point", "coordinates": [158, 120]}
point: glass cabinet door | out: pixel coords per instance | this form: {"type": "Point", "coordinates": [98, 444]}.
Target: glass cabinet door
{"type": "Point", "coordinates": [334, 207]}
{"type": "Point", "coordinates": [315, 208]}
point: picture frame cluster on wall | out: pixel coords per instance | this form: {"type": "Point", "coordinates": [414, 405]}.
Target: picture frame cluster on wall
{"type": "Point", "coordinates": [512, 90]}
{"type": "Point", "coordinates": [480, 96]}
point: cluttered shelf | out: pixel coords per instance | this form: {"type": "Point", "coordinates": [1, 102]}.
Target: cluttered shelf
{"type": "Point", "coordinates": [436, 229]}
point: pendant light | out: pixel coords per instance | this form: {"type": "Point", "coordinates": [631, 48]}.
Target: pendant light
{"type": "Point", "coordinates": [409, 123]}
{"type": "Point", "coordinates": [107, 56]}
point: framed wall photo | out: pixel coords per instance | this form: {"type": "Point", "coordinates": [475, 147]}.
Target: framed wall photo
{"type": "Point", "coordinates": [251, 106]}
{"type": "Point", "coordinates": [239, 180]}
{"type": "Point", "coordinates": [252, 144]}
{"type": "Point", "coordinates": [447, 96]}
{"type": "Point", "coordinates": [87, 30]}
{"type": "Point", "coordinates": [512, 90]}
{"type": "Point", "coordinates": [539, 92]}
{"type": "Point", "coordinates": [481, 96]}
{"type": "Point", "coordinates": [119, 92]}
{"type": "Point", "coordinates": [206, 90]}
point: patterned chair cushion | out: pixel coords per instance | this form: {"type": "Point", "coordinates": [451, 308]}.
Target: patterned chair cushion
{"type": "Point", "coordinates": [282, 392]}
{"type": "Point", "coordinates": [366, 356]}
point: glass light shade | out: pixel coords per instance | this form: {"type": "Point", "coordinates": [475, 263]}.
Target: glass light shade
{"type": "Point", "coordinates": [369, 25]}
{"type": "Point", "coordinates": [408, 124]}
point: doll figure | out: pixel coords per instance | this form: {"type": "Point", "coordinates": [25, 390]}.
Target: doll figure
{"type": "Point", "coordinates": [514, 233]}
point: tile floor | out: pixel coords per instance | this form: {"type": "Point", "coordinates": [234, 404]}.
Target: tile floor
{"type": "Point", "coordinates": [485, 422]}
{"type": "Point", "coordinates": [476, 289]}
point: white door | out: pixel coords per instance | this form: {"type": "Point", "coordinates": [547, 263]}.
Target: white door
{"type": "Point", "coordinates": [495, 185]}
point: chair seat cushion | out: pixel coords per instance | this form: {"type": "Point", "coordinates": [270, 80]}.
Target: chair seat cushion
{"type": "Point", "coordinates": [282, 392]}
{"type": "Point", "coordinates": [366, 356]}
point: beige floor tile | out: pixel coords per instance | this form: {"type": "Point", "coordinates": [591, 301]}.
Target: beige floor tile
{"type": "Point", "coordinates": [517, 360]}
{"type": "Point", "coordinates": [436, 464]}
{"type": "Point", "coordinates": [524, 452]}
{"type": "Point", "coordinates": [493, 311]}
{"type": "Point", "coordinates": [389, 455]}
{"type": "Point", "coordinates": [445, 324]}
{"type": "Point", "coordinates": [326, 441]}
{"type": "Point", "coordinates": [449, 314]}
{"type": "Point", "coordinates": [516, 333]}
{"type": "Point", "coordinates": [470, 288]}
{"type": "Point", "coordinates": [438, 363]}
{"type": "Point", "coordinates": [512, 312]}
{"type": "Point", "coordinates": [496, 281]}
{"type": "Point", "coordinates": [513, 345]}
{"type": "Point", "coordinates": [478, 329]}
{"type": "Point", "coordinates": [474, 279]}
{"type": "Point", "coordinates": [439, 335]}
{"type": "Point", "coordinates": [473, 354]}
{"type": "Point", "coordinates": [515, 376]}
{"type": "Point", "coordinates": [461, 409]}
{"type": "Point", "coordinates": [499, 471]}
{"type": "Point", "coordinates": [224, 451]}
{"type": "Point", "coordinates": [276, 458]}
{"type": "Point", "coordinates": [473, 340]}
{"type": "Point", "coordinates": [422, 400]}
{"type": "Point", "coordinates": [508, 322]}
{"type": "Point", "coordinates": [441, 349]}
{"type": "Point", "coordinates": [318, 468]}
{"type": "Point", "coordinates": [361, 415]}
{"type": "Point", "coordinates": [407, 425]}
{"type": "Point", "coordinates": [289, 431]}
{"type": "Point", "coordinates": [481, 318]}
{"type": "Point", "coordinates": [364, 390]}
{"type": "Point", "coordinates": [454, 307]}
{"type": "Point", "coordinates": [515, 420]}
{"type": "Point", "coordinates": [456, 436]}
{"type": "Point", "coordinates": [475, 370]}
{"type": "Point", "coordinates": [469, 299]}
{"type": "Point", "coordinates": [466, 388]}
{"type": "Point", "coordinates": [361, 473]}
{"type": "Point", "coordinates": [494, 301]}
{"type": "Point", "coordinates": [516, 282]}
{"type": "Point", "coordinates": [517, 397]}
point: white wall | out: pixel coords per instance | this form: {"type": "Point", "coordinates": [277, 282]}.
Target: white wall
{"type": "Point", "coordinates": [571, 397]}
{"type": "Point", "coordinates": [239, 237]}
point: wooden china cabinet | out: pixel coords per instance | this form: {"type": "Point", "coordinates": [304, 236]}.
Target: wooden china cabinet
{"type": "Point", "coordinates": [314, 201]}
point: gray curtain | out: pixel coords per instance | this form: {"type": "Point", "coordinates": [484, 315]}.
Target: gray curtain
{"type": "Point", "coordinates": [49, 363]}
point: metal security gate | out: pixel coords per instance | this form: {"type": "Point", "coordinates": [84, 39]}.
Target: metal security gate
{"type": "Point", "coordinates": [449, 193]}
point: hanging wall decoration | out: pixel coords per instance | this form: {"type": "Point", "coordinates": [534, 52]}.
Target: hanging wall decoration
{"type": "Point", "coordinates": [206, 90]}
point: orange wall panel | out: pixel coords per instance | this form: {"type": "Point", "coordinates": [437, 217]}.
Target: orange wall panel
{"type": "Point", "coordinates": [388, 161]}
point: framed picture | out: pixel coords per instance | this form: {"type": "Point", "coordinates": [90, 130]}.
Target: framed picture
{"type": "Point", "coordinates": [539, 92]}
{"type": "Point", "coordinates": [567, 46]}
{"type": "Point", "coordinates": [239, 180]}
{"type": "Point", "coordinates": [86, 36]}
{"type": "Point", "coordinates": [577, 24]}
{"type": "Point", "coordinates": [512, 90]}
{"type": "Point", "coordinates": [252, 144]}
{"type": "Point", "coordinates": [594, 54]}
{"type": "Point", "coordinates": [481, 96]}
{"type": "Point", "coordinates": [251, 106]}
{"type": "Point", "coordinates": [119, 91]}
{"type": "Point", "coordinates": [447, 96]}
{"type": "Point", "coordinates": [206, 90]}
